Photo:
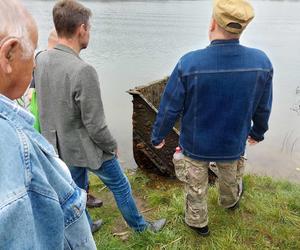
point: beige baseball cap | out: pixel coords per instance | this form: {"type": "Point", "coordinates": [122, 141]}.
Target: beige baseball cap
{"type": "Point", "coordinates": [233, 15]}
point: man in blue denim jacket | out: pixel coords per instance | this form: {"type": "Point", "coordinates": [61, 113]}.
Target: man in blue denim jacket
{"type": "Point", "coordinates": [223, 96]}
{"type": "Point", "coordinates": [40, 205]}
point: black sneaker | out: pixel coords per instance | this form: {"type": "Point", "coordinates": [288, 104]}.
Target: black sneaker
{"type": "Point", "coordinates": [157, 225]}
{"type": "Point", "coordinates": [203, 231]}
{"type": "Point", "coordinates": [96, 225]}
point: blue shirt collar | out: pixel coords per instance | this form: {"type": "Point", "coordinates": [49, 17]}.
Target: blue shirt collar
{"type": "Point", "coordinates": [230, 41]}
{"type": "Point", "coordinates": [9, 109]}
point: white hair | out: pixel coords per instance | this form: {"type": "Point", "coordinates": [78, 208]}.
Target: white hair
{"type": "Point", "coordinates": [15, 22]}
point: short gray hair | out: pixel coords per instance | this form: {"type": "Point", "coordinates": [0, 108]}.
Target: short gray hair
{"type": "Point", "coordinates": [15, 22]}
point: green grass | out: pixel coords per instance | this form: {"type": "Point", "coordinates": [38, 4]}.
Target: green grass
{"type": "Point", "coordinates": [268, 217]}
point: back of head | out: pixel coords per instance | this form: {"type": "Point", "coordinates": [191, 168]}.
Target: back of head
{"type": "Point", "coordinates": [68, 15]}
{"type": "Point", "coordinates": [233, 15]}
{"type": "Point", "coordinates": [15, 22]}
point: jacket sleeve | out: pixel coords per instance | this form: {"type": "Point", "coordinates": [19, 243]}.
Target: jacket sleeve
{"type": "Point", "coordinates": [262, 113]}
{"type": "Point", "coordinates": [78, 233]}
{"type": "Point", "coordinates": [14, 200]}
{"type": "Point", "coordinates": [88, 99]}
{"type": "Point", "coordinates": [171, 106]}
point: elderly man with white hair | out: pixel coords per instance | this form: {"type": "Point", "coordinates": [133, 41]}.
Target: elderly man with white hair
{"type": "Point", "coordinates": [40, 205]}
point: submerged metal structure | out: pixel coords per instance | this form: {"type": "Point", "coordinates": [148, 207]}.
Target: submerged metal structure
{"type": "Point", "coordinates": [146, 101]}
{"type": "Point", "coordinates": [145, 105]}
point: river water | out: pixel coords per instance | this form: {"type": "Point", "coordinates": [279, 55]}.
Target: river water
{"type": "Point", "coordinates": [135, 42]}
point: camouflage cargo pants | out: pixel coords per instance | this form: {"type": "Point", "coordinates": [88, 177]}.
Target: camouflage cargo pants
{"type": "Point", "coordinates": [194, 174]}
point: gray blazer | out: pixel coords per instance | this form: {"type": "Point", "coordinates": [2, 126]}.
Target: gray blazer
{"type": "Point", "coordinates": [71, 110]}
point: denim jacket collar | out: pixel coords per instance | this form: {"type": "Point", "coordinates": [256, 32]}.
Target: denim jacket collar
{"type": "Point", "coordinates": [224, 42]}
{"type": "Point", "coordinates": [6, 108]}
{"type": "Point", "coordinates": [24, 120]}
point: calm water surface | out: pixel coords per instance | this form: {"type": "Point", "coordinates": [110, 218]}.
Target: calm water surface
{"type": "Point", "coordinates": [135, 42]}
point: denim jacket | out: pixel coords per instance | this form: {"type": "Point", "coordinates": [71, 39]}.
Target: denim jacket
{"type": "Point", "coordinates": [40, 206]}
{"type": "Point", "coordinates": [222, 94]}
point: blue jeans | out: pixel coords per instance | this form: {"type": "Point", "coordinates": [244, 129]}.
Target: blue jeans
{"type": "Point", "coordinates": [81, 178]}
{"type": "Point", "coordinates": [112, 175]}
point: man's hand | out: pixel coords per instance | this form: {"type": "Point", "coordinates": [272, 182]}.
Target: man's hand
{"type": "Point", "coordinates": [251, 141]}
{"type": "Point", "coordinates": [160, 145]}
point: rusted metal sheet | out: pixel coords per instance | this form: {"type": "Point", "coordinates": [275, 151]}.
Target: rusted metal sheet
{"type": "Point", "coordinates": [146, 101]}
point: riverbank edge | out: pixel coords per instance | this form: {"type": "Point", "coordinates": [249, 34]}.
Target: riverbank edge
{"type": "Point", "coordinates": [268, 217]}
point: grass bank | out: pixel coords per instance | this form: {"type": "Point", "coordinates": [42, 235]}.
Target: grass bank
{"type": "Point", "coordinates": [268, 217]}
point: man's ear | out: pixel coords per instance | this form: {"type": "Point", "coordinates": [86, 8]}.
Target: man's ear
{"type": "Point", "coordinates": [82, 29]}
{"type": "Point", "coordinates": [8, 52]}
{"type": "Point", "coordinates": [213, 25]}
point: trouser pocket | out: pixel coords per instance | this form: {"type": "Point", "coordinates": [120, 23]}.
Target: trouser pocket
{"type": "Point", "coordinates": [180, 169]}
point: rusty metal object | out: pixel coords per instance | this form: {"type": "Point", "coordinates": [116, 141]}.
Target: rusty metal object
{"type": "Point", "coordinates": [146, 100]}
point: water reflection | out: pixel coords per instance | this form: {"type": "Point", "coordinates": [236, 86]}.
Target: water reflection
{"type": "Point", "coordinates": [296, 106]}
